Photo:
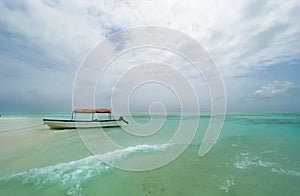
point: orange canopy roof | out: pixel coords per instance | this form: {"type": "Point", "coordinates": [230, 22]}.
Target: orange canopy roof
{"type": "Point", "coordinates": [92, 110]}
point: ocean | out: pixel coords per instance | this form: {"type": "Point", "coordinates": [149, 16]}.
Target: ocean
{"type": "Point", "coordinates": [256, 154]}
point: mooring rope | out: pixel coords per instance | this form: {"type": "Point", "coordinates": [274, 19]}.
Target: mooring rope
{"type": "Point", "coordinates": [19, 129]}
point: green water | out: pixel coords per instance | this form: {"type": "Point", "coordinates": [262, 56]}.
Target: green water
{"type": "Point", "coordinates": [256, 154]}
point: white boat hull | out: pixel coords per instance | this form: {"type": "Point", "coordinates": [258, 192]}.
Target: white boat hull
{"type": "Point", "coordinates": [71, 124]}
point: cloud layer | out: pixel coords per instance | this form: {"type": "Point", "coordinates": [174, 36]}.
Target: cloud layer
{"type": "Point", "coordinates": [275, 88]}
{"type": "Point", "coordinates": [239, 35]}
{"type": "Point", "coordinates": [43, 42]}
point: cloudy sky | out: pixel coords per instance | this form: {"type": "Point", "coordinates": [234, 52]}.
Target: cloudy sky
{"type": "Point", "coordinates": [254, 43]}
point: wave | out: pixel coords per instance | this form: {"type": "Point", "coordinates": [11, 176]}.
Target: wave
{"type": "Point", "coordinates": [224, 184]}
{"type": "Point", "coordinates": [248, 161]}
{"type": "Point", "coordinates": [228, 183]}
{"type": "Point", "coordinates": [73, 174]}
{"type": "Point", "coordinates": [286, 171]}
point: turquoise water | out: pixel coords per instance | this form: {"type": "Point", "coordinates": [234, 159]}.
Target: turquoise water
{"type": "Point", "coordinates": [256, 154]}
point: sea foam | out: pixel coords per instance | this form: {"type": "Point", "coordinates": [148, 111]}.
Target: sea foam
{"type": "Point", "coordinates": [71, 175]}
{"type": "Point", "coordinates": [248, 161]}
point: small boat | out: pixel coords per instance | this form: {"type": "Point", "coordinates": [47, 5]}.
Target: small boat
{"type": "Point", "coordinates": [93, 123]}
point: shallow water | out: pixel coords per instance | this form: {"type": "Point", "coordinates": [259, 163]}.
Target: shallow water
{"type": "Point", "coordinates": [256, 154]}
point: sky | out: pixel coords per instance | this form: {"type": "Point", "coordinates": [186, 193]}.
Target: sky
{"type": "Point", "coordinates": [255, 45]}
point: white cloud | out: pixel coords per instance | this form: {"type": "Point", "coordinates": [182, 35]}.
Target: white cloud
{"type": "Point", "coordinates": [275, 88]}
{"type": "Point", "coordinates": [54, 36]}
{"type": "Point", "coordinates": [240, 35]}
{"type": "Point", "coordinates": [61, 29]}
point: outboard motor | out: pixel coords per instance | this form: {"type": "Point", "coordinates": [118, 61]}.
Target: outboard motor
{"type": "Point", "coordinates": [122, 119]}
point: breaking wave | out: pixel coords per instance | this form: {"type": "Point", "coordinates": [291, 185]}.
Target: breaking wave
{"type": "Point", "coordinates": [72, 175]}
{"type": "Point", "coordinates": [248, 161]}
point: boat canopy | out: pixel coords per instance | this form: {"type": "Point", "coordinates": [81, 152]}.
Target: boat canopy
{"type": "Point", "coordinates": [100, 110]}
